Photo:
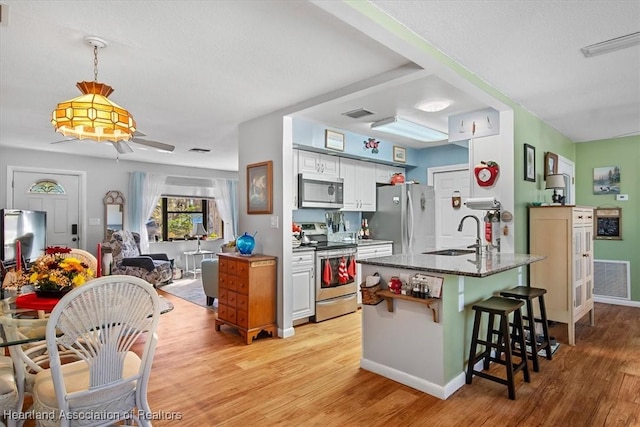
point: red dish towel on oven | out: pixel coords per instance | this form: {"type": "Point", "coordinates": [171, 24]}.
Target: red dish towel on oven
{"type": "Point", "coordinates": [352, 267]}
{"type": "Point", "coordinates": [343, 276]}
{"type": "Point", "coordinates": [327, 273]}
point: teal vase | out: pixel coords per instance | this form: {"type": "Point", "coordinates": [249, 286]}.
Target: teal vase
{"type": "Point", "coordinates": [245, 244]}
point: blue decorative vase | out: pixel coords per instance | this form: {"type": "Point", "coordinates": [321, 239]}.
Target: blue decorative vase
{"type": "Point", "coordinates": [245, 244]}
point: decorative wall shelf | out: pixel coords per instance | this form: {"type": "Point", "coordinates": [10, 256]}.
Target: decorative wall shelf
{"type": "Point", "coordinates": [429, 302]}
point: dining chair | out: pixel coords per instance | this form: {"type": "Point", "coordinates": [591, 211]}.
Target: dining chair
{"type": "Point", "coordinates": [8, 391]}
{"type": "Point", "coordinates": [99, 322]}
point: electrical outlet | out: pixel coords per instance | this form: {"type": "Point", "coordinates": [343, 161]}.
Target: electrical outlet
{"type": "Point", "coordinates": [274, 221]}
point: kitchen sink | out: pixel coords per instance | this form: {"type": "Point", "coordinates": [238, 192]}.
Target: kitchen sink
{"type": "Point", "coordinates": [450, 252]}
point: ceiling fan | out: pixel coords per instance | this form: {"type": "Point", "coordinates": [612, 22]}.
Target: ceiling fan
{"type": "Point", "coordinates": [123, 147]}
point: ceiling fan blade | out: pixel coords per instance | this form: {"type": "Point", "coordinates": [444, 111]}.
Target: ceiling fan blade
{"type": "Point", "coordinates": [64, 140]}
{"type": "Point", "coordinates": [122, 147]}
{"type": "Point", "coordinates": [154, 144]}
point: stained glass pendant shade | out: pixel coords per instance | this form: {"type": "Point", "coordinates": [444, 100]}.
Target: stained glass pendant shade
{"type": "Point", "coordinates": [92, 115]}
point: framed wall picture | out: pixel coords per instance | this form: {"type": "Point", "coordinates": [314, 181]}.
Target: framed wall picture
{"type": "Point", "coordinates": [550, 164]}
{"type": "Point", "coordinates": [399, 154]}
{"type": "Point", "coordinates": [334, 140]}
{"type": "Point", "coordinates": [606, 180]}
{"type": "Point", "coordinates": [260, 188]}
{"type": "Point", "coordinates": [529, 163]}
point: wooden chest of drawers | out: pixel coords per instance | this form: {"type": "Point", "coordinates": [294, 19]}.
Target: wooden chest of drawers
{"type": "Point", "coordinates": [247, 294]}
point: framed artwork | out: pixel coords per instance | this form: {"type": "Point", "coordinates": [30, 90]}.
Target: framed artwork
{"type": "Point", "coordinates": [550, 163]}
{"type": "Point", "coordinates": [606, 180]}
{"type": "Point", "coordinates": [260, 188]}
{"type": "Point", "coordinates": [529, 163]}
{"type": "Point", "coordinates": [333, 140]}
{"type": "Point", "coordinates": [399, 154]}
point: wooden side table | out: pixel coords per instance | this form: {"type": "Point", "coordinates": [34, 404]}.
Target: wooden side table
{"type": "Point", "coordinates": [247, 294]}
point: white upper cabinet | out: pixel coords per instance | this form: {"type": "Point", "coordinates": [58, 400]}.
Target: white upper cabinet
{"type": "Point", "coordinates": [359, 185]}
{"type": "Point", "coordinates": [385, 172]}
{"type": "Point", "coordinates": [318, 164]}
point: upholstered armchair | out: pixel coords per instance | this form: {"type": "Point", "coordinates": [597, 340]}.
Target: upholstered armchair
{"type": "Point", "coordinates": [209, 269]}
{"type": "Point", "coordinates": [125, 249]}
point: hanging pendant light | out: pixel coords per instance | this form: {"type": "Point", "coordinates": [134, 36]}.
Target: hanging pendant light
{"type": "Point", "coordinates": [92, 115]}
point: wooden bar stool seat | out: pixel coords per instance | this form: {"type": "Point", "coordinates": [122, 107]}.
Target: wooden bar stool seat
{"type": "Point", "coordinates": [527, 295]}
{"type": "Point", "coordinates": [504, 341]}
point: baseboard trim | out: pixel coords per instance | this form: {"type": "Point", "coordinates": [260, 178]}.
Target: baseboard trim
{"type": "Point", "coordinates": [615, 301]}
{"type": "Point", "coordinates": [286, 333]}
{"type": "Point", "coordinates": [441, 392]}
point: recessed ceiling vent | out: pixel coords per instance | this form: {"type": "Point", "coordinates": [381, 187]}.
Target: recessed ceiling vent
{"type": "Point", "coordinates": [200, 150]}
{"type": "Point", "coordinates": [356, 114]}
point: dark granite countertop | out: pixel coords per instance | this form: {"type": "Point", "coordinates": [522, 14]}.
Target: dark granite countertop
{"type": "Point", "coordinates": [304, 248]}
{"type": "Point", "coordinates": [460, 265]}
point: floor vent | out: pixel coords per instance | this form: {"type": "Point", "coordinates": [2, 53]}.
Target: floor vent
{"type": "Point", "coordinates": [612, 279]}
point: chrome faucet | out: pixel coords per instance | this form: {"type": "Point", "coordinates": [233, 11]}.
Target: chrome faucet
{"type": "Point", "coordinates": [478, 245]}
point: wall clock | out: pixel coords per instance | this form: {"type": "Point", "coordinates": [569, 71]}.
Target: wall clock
{"type": "Point", "coordinates": [486, 173]}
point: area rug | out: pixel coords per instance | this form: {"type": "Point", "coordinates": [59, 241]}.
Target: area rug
{"type": "Point", "coordinates": [188, 289]}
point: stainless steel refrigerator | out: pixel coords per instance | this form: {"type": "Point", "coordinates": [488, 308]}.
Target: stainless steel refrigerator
{"type": "Point", "coordinates": [405, 214]}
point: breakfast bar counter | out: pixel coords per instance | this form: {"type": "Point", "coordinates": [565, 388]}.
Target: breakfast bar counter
{"type": "Point", "coordinates": [424, 344]}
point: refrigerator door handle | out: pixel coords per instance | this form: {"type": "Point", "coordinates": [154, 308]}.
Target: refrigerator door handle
{"type": "Point", "coordinates": [410, 221]}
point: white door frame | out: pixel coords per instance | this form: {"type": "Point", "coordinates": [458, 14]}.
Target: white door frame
{"type": "Point", "coordinates": [567, 167]}
{"type": "Point", "coordinates": [82, 193]}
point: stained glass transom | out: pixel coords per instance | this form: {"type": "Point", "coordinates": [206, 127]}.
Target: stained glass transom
{"type": "Point", "coordinates": [49, 187]}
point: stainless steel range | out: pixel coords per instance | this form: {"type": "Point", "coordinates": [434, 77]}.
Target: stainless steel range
{"type": "Point", "coordinates": [336, 288]}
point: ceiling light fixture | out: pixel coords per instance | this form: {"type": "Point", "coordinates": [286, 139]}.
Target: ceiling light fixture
{"type": "Point", "coordinates": [612, 45]}
{"type": "Point", "coordinates": [92, 115]}
{"type": "Point", "coordinates": [434, 105]}
{"type": "Point", "coordinates": [401, 127]}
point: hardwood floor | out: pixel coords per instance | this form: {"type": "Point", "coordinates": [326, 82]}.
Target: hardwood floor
{"type": "Point", "coordinates": [211, 378]}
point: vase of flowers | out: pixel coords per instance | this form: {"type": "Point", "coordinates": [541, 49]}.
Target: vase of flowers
{"type": "Point", "coordinates": [54, 274]}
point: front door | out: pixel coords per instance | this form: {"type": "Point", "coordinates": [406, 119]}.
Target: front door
{"type": "Point", "coordinates": [58, 194]}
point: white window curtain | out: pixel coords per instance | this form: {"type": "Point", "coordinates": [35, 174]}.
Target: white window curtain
{"type": "Point", "coordinates": [226, 200]}
{"type": "Point", "coordinates": [145, 190]}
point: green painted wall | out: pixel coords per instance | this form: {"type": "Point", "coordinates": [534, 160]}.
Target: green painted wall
{"type": "Point", "coordinates": [625, 153]}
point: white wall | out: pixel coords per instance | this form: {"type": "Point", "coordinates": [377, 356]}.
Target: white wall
{"type": "Point", "coordinates": [103, 175]}
{"type": "Point", "coordinates": [261, 140]}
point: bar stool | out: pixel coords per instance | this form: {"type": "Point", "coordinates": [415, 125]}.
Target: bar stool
{"type": "Point", "coordinates": [528, 294]}
{"type": "Point", "coordinates": [502, 307]}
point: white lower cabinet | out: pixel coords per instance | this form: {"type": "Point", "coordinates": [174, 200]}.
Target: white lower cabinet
{"type": "Point", "coordinates": [370, 251]}
{"type": "Point", "coordinates": [304, 296]}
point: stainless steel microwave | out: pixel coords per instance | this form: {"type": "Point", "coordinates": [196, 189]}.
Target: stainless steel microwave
{"type": "Point", "coordinates": [318, 192]}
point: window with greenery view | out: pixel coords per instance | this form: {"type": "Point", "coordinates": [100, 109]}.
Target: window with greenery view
{"type": "Point", "coordinates": [174, 218]}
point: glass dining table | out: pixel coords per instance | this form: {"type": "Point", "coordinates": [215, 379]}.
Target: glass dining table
{"type": "Point", "coordinates": [27, 313]}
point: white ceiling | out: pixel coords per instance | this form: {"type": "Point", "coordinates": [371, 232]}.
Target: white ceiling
{"type": "Point", "coordinates": [191, 71]}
